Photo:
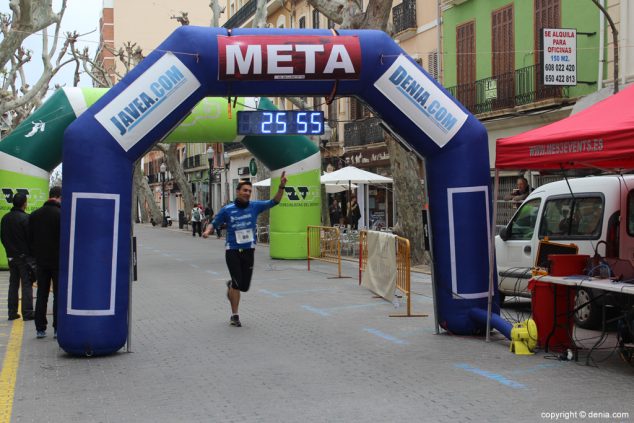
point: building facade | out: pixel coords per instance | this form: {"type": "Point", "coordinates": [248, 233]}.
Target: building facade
{"type": "Point", "coordinates": [120, 24]}
{"type": "Point", "coordinates": [492, 60]}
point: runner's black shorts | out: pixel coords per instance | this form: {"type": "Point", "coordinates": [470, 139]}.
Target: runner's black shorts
{"type": "Point", "coordinates": [240, 264]}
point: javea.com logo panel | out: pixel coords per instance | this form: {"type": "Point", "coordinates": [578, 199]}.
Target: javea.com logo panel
{"type": "Point", "coordinates": [421, 101]}
{"type": "Point", "coordinates": [148, 100]}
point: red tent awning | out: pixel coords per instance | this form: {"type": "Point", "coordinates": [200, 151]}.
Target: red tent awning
{"type": "Point", "coordinates": [600, 136]}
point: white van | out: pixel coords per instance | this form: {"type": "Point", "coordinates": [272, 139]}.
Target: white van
{"type": "Point", "coordinates": [583, 211]}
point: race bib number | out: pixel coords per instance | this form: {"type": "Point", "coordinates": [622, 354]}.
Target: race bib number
{"type": "Point", "coordinates": [244, 235]}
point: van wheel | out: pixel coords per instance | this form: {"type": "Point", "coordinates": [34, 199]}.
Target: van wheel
{"type": "Point", "coordinates": [589, 316]}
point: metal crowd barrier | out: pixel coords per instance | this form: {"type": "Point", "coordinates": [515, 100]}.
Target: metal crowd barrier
{"type": "Point", "coordinates": [324, 244]}
{"type": "Point", "coordinates": [403, 268]}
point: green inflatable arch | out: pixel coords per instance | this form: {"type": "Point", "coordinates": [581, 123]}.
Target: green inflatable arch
{"type": "Point", "coordinates": [34, 149]}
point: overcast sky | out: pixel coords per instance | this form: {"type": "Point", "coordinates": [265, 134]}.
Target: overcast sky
{"type": "Point", "coordinates": [81, 16]}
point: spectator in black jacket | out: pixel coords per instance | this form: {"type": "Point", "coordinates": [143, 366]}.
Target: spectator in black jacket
{"type": "Point", "coordinates": [44, 224]}
{"type": "Point", "coordinates": [14, 234]}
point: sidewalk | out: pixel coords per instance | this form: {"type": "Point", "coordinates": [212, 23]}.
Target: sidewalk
{"type": "Point", "coordinates": [313, 348]}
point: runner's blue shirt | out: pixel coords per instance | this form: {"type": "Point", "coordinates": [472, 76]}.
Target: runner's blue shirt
{"type": "Point", "coordinates": [241, 223]}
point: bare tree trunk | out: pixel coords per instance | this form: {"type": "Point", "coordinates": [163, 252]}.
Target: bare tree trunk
{"type": "Point", "coordinates": [143, 192]}
{"type": "Point", "coordinates": [29, 17]}
{"type": "Point", "coordinates": [178, 175]}
{"type": "Point", "coordinates": [259, 18]}
{"type": "Point", "coordinates": [216, 10]}
{"type": "Point", "coordinates": [408, 195]}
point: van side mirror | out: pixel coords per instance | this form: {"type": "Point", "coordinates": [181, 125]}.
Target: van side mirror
{"type": "Point", "coordinates": [504, 233]}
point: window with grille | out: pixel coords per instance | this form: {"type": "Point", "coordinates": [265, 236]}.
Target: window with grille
{"type": "Point", "coordinates": [466, 63]}
{"type": "Point", "coordinates": [547, 15]}
{"type": "Point", "coordinates": [503, 44]}
{"type": "Point", "coordinates": [358, 109]}
{"type": "Point", "coordinates": [316, 19]}
{"type": "Point", "coordinates": [432, 64]}
{"type": "Point", "coordinates": [302, 22]}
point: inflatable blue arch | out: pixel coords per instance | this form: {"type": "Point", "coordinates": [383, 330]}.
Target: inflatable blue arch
{"type": "Point", "coordinates": [101, 146]}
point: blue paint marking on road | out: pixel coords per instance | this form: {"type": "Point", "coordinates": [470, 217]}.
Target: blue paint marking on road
{"type": "Point", "coordinates": [320, 311]}
{"type": "Point", "coordinates": [386, 336]}
{"type": "Point", "coordinates": [271, 293]}
{"type": "Point", "coordinates": [211, 272]}
{"type": "Point", "coordinates": [327, 311]}
{"type": "Point", "coordinates": [280, 294]}
{"type": "Point", "coordinates": [490, 375]}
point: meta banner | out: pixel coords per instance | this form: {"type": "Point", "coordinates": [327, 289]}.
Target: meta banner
{"type": "Point", "coordinates": [250, 57]}
{"type": "Point", "coordinates": [148, 100]}
{"type": "Point", "coordinates": [421, 101]}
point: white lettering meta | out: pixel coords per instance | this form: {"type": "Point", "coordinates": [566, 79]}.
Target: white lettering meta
{"type": "Point", "coordinates": [274, 57]}
{"type": "Point", "coordinates": [339, 58]}
{"type": "Point", "coordinates": [252, 58]}
{"type": "Point", "coordinates": [310, 50]}
{"type": "Point", "coordinates": [252, 55]}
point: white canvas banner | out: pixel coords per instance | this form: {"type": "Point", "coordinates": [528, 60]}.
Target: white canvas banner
{"type": "Point", "coordinates": [380, 274]}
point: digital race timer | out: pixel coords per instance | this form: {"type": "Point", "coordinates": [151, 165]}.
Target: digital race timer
{"type": "Point", "coordinates": [286, 122]}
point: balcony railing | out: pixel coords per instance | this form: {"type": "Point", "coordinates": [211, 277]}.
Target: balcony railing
{"type": "Point", "coordinates": [404, 16]}
{"type": "Point", "coordinates": [362, 132]}
{"type": "Point", "coordinates": [194, 161]}
{"type": "Point", "coordinates": [506, 91]}
{"type": "Point", "coordinates": [242, 15]}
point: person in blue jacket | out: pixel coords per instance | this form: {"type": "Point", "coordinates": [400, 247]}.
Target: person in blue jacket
{"type": "Point", "coordinates": [240, 219]}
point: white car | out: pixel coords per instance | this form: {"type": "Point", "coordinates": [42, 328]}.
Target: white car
{"type": "Point", "coordinates": [596, 213]}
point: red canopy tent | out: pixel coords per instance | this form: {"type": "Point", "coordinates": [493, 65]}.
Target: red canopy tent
{"type": "Point", "coordinates": [600, 136]}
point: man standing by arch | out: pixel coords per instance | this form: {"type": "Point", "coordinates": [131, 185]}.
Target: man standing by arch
{"type": "Point", "coordinates": [240, 218]}
{"type": "Point", "coordinates": [14, 232]}
{"type": "Point", "coordinates": [44, 233]}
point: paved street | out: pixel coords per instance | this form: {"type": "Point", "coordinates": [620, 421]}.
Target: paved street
{"type": "Point", "coordinates": [312, 348]}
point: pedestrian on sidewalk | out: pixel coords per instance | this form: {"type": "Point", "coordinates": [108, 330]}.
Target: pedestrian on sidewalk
{"type": "Point", "coordinates": [44, 231]}
{"type": "Point", "coordinates": [197, 218]}
{"type": "Point", "coordinates": [240, 218]}
{"type": "Point", "coordinates": [14, 234]}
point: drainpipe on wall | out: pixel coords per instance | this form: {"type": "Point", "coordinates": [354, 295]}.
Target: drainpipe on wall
{"type": "Point", "coordinates": [601, 49]}
{"type": "Point", "coordinates": [439, 47]}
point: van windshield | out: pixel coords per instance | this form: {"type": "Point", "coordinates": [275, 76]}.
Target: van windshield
{"type": "Point", "coordinates": [572, 218]}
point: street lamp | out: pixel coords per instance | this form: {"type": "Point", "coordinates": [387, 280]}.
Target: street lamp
{"type": "Point", "coordinates": [163, 168]}
{"type": "Point", "coordinates": [226, 158]}
{"type": "Point", "coordinates": [210, 159]}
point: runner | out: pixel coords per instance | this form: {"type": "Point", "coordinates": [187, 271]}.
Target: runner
{"type": "Point", "coordinates": [240, 218]}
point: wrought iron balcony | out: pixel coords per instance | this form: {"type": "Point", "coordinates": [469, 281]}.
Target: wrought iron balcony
{"type": "Point", "coordinates": [362, 132]}
{"type": "Point", "coordinates": [404, 17]}
{"type": "Point", "coordinates": [506, 91]}
{"type": "Point", "coordinates": [194, 161]}
{"type": "Point", "coordinates": [242, 15]}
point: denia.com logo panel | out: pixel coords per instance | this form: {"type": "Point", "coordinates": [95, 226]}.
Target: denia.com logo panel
{"type": "Point", "coordinates": [148, 100]}
{"type": "Point", "coordinates": [418, 97]}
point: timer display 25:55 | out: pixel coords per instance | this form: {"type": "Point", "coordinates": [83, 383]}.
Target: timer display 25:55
{"type": "Point", "coordinates": [287, 122]}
